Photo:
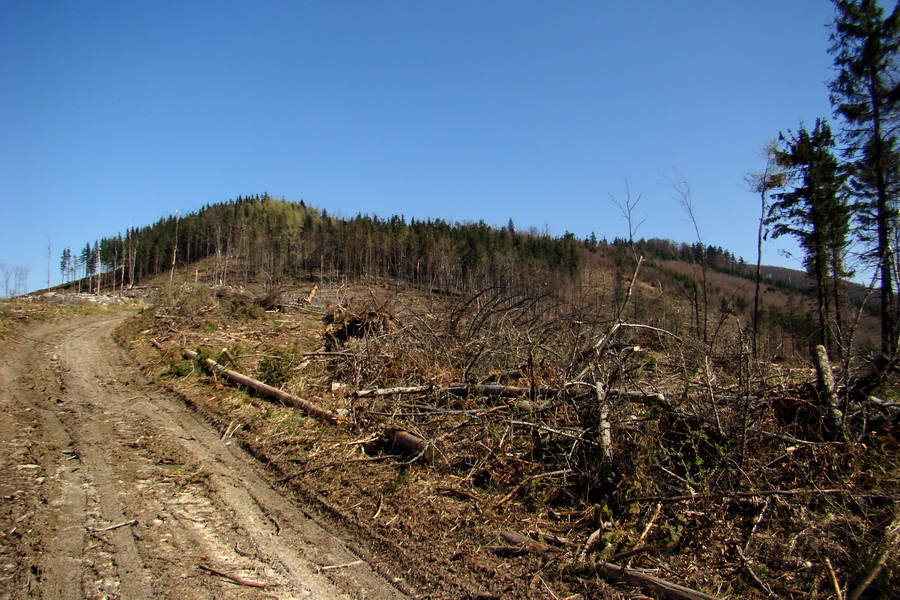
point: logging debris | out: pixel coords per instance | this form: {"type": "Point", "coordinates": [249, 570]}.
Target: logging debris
{"type": "Point", "coordinates": [394, 437]}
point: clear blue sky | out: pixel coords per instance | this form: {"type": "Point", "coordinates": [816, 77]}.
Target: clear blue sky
{"type": "Point", "coordinates": [118, 113]}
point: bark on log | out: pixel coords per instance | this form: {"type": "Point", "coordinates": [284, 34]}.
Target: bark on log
{"type": "Point", "coordinates": [834, 418]}
{"type": "Point", "coordinates": [265, 390]}
{"type": "Point", "coordinates": [418, 389]}
{"type": "Point", "coordinates": [659, 399]}
{"type": "Point", "coordinates": [672, 591]}
{"type": "Point", "coordinates": [409, 443]}
{"type": "Point", "coordinates": [604, 427]}
{"type": "Point", "coordinates": [399, 439]}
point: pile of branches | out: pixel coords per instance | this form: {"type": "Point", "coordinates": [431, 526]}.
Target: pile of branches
{"type": "Point", "coordinates": [343, 324]}
{"type": "Point", "coordinates": [556, 412]}
{"type": "Point", "coordinates": [621, 437]}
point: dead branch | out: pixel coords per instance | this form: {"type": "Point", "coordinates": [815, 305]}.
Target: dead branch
{"type": "Point", "coordinates": [343, 566]}
{"type": "Point", "coordinates": [630, 553]}
{"type": "Point", "coordinates": [523, 542]}
{"type": "Point", "coordinates": [503, 391]}
{"type": "Point", "coordinates": [749, 567]}
{"type": "Point", "coordinates": [604, 427]}
{"type": "Point", "coordinates": [616, 574]}
{"type": "Point", "coordinates": [593, 541]}
{"type": "Point", "coordinates": [327, 353]}
{"type": "Point", "coordinates": [234, 578]}
{"type": "Point", "coordinates": [637, 544]}
{"type": "Point", "coordinates": [230, 358]}
{"type": "Point", "coordinates": [451, 491]}
{"type": "Point", "coordinates": [554, 432]}
{"type": "Point", "coordinates": [527, 480]}
{"type": "Point", "coordinates": [888, 545]}
{"type": "Point", "coordinates": [510, 550]}
{"type": "Point", "coordinates": [760, 493]}
{"type": "Point", "coordinates": [111, 527]}
{"type": "Point", "coordinates": [832, 577]}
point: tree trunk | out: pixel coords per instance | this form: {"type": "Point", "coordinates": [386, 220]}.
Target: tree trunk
{"type": "Point", "coordinates": [834, 418]}
{"type": "Point", "coordinates": [266, 390]}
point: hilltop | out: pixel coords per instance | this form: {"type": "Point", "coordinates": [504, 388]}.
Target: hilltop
{"type": "Point", "coordinates": [260, 240]}
{"type": "Point", "coordinates": [596, 397]}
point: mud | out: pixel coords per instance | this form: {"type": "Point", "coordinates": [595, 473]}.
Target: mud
{"type": "Point", "coordinates": [112, 488]}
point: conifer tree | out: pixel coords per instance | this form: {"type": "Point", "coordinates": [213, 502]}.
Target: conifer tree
{"type": "Point", "coordinates": [814, 210]}
{"type": "Point", "coordinates": [865, 46]}
{"type": "Point", "coordinates": [65, 264]}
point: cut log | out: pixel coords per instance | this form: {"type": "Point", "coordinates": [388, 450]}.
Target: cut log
{"type": "Point", "coordinates": [265, 390]}
{"type": "Point", "coordinates": [409, 443]}
{"type": "Point", "coordinates": [398, 438]}
{"type": "Point", "coordinates": [417, 389]}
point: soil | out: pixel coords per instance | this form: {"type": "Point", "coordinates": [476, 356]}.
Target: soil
{"type": "Point", "coordinates": [111, 487]}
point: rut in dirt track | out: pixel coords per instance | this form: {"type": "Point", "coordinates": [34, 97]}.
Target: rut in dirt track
{"type": "Point", "coordinates": [110, 488]}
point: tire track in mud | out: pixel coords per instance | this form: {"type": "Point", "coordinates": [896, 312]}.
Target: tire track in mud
{"type": "Point", "coordinates": [86, 445]}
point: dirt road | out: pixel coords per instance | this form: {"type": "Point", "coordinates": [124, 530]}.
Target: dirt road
{"type": "Point", "coordinates": [110, 488]}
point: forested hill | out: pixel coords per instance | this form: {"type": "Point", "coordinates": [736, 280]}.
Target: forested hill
{"type": "Point", "coordinates": [260, 238]}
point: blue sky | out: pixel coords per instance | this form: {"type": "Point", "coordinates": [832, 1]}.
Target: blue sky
{"type": "Point", "coordinates": [118, 113]}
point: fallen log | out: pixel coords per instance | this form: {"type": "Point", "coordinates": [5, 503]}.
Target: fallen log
{"type": "Point", "coordinates": [265, 390]}
{"type": "Point", "coordinates": [398, 438]}
{"type": "Point", "coordinates": [409, 443]}
{"type": "Point", "coordinates": [417, 389]}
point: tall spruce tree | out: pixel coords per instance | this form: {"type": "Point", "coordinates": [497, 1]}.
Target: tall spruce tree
{"type": "Point", "coordinates": [65, 264]}
{"type": "Point", "coordinates": [814, 209]}
{"type": "Point", "coordinates": [865, 45]}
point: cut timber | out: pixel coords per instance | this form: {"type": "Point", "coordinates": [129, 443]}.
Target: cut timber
{"type": "Point", "coordinates": [265, 390]}
{"type": "Point", "coordinates": [409, 443]}
{"type": "Point", "coordinates": [672, 591]}
{"type": "Point", "coordinates": [418, 389]}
